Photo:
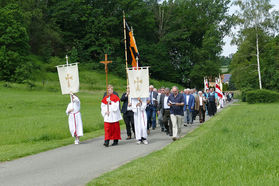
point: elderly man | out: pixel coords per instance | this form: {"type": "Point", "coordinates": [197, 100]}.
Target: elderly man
{"type": "Point", "coordinates": [176, 102]}
{"type": "Point", "coordinates": [151, 108]}
{"type": "Point", "coordinates": [195, 94]}
{"type": "Point", "coordinates": [212, 102]}
{"type": "Point", "coordinates": [200, 106]}
{"type": "Point", "coordinates": [161, 92]}
{"type": "Point", "coordinates": [164, 109]}
{"type": "Point", "coordinates": [189, 105]}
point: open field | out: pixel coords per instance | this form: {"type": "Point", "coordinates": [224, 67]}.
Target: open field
{"type": "Point", "coordinates": [33, 121]}
{"type": "Point", "coordinates": [239, 146]}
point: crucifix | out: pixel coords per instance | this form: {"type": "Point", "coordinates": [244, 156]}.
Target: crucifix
{"type": "Point", "coordinates": [138, 81]}
{"type": "Point", "coordinates": [106, 62]}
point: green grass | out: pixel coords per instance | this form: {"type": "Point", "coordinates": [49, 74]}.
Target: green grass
{"type": "Point", "coordinates": [33, 121]}
{"type": "Point", "coordinates": [239, 146]}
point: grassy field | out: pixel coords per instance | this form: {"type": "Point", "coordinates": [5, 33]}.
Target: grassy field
{"type": "Point", "coordinates": [32, 115]}
{"type": "Point", "coordinates": [239, 146]}
{"type": "Point", "coordinates": [33, 121]}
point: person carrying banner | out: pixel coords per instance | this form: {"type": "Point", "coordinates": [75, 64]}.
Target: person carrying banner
{"type": "Point", "coordinates": [75, 122]}
{"type": "Point", "coordinates": [140, 119]}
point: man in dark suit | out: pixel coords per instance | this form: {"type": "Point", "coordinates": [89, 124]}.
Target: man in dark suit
{"type": "Point", "coordinates": [165, 109]}
{"type": "Point", "coordinates": [189, 106]}
{"type": "Point", "coordinates": [128, 114]}
{"type": "Point", "coordinates": [151, 108]}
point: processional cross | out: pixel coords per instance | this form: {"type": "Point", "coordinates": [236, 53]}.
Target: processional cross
{"type": "Point", "coordinates": [106, 62]}
{"type": "Point", "coordinates": [138, 81]}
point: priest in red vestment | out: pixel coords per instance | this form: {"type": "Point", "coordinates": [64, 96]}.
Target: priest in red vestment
{"type": "Point", "coordinates": [111, 113]}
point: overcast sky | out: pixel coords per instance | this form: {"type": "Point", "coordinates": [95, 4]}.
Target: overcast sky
{"type": "Point", "coordinates": [230, 49]}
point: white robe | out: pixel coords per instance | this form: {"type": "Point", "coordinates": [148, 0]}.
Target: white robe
{"type": "Point", "coordinates": [114, 112]}
{"type": "Point", "coordinates": [75, 122]}
{"type": "Point", "coordinates": [140, 118]}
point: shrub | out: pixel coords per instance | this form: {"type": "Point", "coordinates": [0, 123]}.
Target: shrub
{"type": "Point", "coordinates": [243, 93]}
{"type": "Point", "coordinates": [262, 96]}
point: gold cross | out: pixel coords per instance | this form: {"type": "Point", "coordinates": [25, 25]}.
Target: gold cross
{"type": "Point", "coordinates": [68, 79]}
{"type": "Point", "coordinates": [138, 81]}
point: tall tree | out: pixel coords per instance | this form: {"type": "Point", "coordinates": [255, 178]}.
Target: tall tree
{"type": "Point", "coordinates": [255, 16]}
{"type": "Point", "coordinates": [14, 45]}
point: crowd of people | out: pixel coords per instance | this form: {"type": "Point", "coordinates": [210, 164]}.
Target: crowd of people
{"type": "Point", "coordinates": [169, 109]}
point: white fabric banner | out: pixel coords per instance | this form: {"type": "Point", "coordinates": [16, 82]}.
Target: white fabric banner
{"type": "Point", "coordinates": [68, 78]}
{"type": "Point", "coordinates": [139, 82]}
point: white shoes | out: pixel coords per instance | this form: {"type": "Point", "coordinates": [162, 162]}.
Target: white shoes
{"type": "Point", "coordinates": [145, 142]}
{"type": "Point", "coordinates": [76, 142]}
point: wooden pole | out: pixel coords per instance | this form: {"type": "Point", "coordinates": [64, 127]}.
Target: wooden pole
{"type": "Point", "coordinates": [126, 55]}
{"type": "Point", "coordinates": [71, 98]}
{"type": "Point", "coordinates": [106, 62]}
{"type": "Point", "coordinates": [125, 41]}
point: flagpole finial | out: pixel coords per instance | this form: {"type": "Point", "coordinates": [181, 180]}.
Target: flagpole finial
{"type": "Point", "coordinates": [67, 59]}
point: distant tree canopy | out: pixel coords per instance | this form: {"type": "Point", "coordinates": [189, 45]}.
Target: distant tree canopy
{"type": "Point", "coordinates": [180, 39]}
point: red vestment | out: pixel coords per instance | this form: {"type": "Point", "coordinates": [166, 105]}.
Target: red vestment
{"type": "Point", "coordinates": [112, 129]}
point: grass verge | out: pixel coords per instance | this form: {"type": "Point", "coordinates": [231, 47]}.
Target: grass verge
{"type": "Point", "coordinates": [239, 146]}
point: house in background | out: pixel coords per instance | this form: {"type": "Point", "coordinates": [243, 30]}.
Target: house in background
{"type": "Point", "coordinates": [226, 78]}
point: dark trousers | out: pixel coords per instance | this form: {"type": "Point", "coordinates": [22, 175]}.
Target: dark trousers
{"type": "Point", "coordinates": [151, 116]}
{"type": "Point", "coordinates": [201, 114]}
{"type": "Point", "coordinates": [129, 121]}
{"type": "Point", "coordinates": [167, 121]}
{"type": "Point", "coordinates": [211, 108]}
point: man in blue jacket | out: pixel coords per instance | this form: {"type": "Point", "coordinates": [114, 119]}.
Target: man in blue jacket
{"type": "Point", "coordinates": [189, 106]}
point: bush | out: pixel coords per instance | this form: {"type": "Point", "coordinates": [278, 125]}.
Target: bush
{"type": "Point", "coordinates": [243, 93]}
{"type": "Point", "coordinates": [262, 96]}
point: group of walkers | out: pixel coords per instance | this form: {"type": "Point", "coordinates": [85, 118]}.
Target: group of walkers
{"type": "Point", "coordinates": [165, 107]}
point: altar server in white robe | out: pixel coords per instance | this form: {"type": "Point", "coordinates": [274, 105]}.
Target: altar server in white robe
{"type": "Point", "coordinates": [140, 119]}
{"type": "Point", "coordinates": [75, 122]}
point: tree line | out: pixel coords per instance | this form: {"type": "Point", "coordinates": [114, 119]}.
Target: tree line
{"type": "Point", "coordinates": [181, 40]}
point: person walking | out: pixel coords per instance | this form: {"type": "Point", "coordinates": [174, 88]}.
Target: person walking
{"type": "Point", "coordinates": [128, 114]}
{"type": "Point", "coordinates": [189, 105]}
{"type": "Point", "coordinates": [176, 102]}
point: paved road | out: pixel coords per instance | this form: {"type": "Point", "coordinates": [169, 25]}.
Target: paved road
{"type": "Point", "coordinates": [78, 164]}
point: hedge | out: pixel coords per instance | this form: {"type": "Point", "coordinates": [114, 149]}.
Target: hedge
{"type": "Point", "coordinates": [262, 96]}
{"type": "Point", "coordinates": [244, 92]}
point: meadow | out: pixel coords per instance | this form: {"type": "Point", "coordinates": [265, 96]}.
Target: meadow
{"type": "Point", "coordinates": [33, 118]}
{"type": "Point", "coordinates": [239, 146]}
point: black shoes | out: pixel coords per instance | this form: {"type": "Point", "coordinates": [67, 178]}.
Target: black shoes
{"type": "Point", "coordinates": [128, 138]}
{"type": "Point", "coordinates": [115, 142]}
{"type": "Point", "coordinates": [106, 144]}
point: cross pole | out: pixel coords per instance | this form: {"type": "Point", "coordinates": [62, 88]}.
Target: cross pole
{"type": "Point", "coordinates": [106, 62]}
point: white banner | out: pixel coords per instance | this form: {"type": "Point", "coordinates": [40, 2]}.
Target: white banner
{"type": "Point", "coordinates": [68, 78]}
{"type": "Point", "coordinates": [139, 82]}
